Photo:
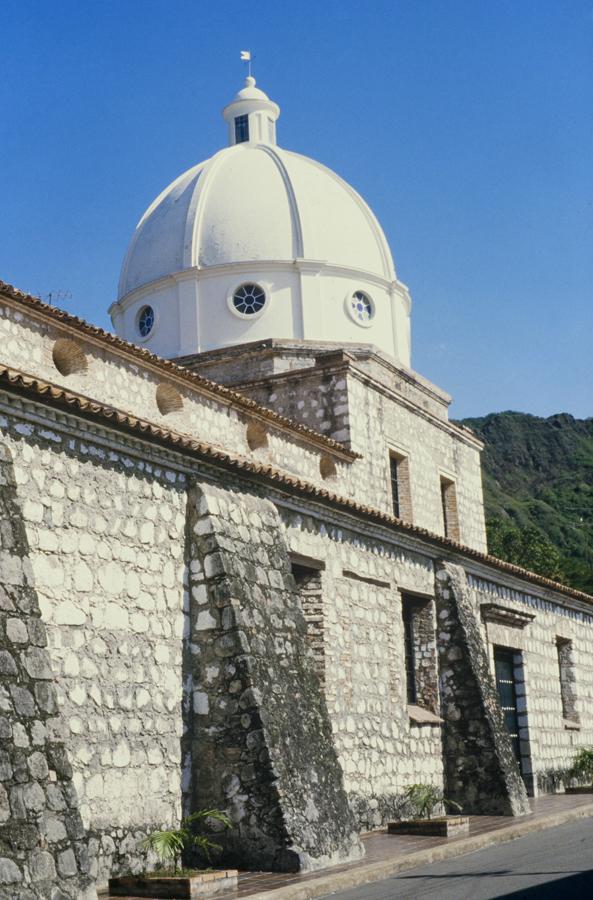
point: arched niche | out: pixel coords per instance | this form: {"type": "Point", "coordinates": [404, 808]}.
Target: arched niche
{"type": "Point", "coordinates": [168, 399]}
{"type": "Point", "coordinates": [68, 357]}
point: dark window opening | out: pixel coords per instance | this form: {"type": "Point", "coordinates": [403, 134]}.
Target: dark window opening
{"type": "Point", "coordinates": [393, 464]}
{"type": "Point", "coordinates": [241, 129]}
{"type": "Point", "coordinates": [399, 477]}
{"type": "Point", "coordinates": [409, 652]}
{"type": "Point", "coordinates": [420, 652]}
{"type": "Point", "coordinates": [309, 587]}
{"type": "Point", "coordinates": [566, 671]}
{"type": "Point", "coordinates": [504, 668]}
{"type": "Point", "coordinates": [449, 504]}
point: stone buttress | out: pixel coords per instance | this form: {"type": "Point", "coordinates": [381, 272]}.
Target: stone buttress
{"type": "Point", "coordinates": [43, 848]}
{"type": "Point", "coordinates": [480, 770]}
{"type": "Point", "coordinates": [261, 740]}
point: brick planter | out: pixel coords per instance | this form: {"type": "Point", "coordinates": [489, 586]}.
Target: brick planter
{"type": "Point", "coordinates": [582, 789]}
{"type": "Point", "coordinates": [186, 887]}
{"type": "Point", "coordinates": [443, 826]}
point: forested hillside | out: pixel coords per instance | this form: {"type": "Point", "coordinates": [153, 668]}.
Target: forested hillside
{"type": "Point", "coordinates": [538, 485]}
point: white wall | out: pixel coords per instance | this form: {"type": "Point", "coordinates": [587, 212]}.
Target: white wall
{"type": "Point", "coordinates": [305, 301]}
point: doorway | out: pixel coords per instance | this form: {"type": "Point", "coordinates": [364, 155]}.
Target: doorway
{"type": "Point", "coordinates": [506, 685]}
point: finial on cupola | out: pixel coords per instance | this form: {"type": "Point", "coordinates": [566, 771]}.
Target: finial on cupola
{"type": "Point", "coordinates": [251, 115]}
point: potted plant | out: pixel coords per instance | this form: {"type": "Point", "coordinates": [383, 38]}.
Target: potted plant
{"type": "Point", "coordinates": [171, 880]}
{"type": "Point", "coordinates": [582, 767]}
{"type": "Point", "coordinates": [422, 800]}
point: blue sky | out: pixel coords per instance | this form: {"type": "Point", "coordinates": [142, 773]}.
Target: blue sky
{"type": "Point", "coordinates": [466, 124]}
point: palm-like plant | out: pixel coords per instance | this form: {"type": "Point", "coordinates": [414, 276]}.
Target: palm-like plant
{"type": "Point", "coordinates": [424, 797]}
{"type": "Point", "coordinates": [169, 844]}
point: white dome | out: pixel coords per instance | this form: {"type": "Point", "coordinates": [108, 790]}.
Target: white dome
{"type": "Point", "coordinates": [255, 202]}
{"type": "Point", "coordinates": [256, 213]}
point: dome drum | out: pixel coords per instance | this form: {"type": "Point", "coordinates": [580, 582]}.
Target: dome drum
{"type": "Point", "coordinates": [301, 300]}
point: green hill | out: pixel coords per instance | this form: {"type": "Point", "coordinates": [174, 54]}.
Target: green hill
{"type": "Point", "coordinates": [538, 473]}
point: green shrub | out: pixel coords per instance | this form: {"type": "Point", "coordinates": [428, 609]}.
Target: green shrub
{"type": "Point", "coordinates": [423, 798]}
{"type": "Point", "coordinates": [582, 764]}
{"type": "Point", "coordinates": [169, 844]}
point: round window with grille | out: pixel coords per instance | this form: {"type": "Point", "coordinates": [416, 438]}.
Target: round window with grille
{"type": "Point", "coordinates": [146, 321]}
{"type": "Point", "coordinates": [362, 308]}
{"type": "Point", "coordinates": [249, 299]}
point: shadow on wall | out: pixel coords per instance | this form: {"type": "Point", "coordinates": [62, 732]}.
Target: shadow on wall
{"type": "Point", "coordinates": [42, 840]}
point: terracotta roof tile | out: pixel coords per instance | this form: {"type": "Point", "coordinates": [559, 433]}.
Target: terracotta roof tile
{"type": "Point", "coordinates": [81, 405]}
{"type": "Point", "coordinates": [197, 381]}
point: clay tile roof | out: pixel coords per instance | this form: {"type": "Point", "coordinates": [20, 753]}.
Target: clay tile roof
{"type": "Point", "coordinates": [110, 416]}
{"type": "Point", "coordinates": [196, 381]}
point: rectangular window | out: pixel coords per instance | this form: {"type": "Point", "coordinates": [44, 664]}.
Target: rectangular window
{"type": "Point", "coordinates": [449, 504]}
{"type": "Point", "coordinates": [399, 476]}
{"type": "Point", "coordinates": [567, 679]}
{"type": "Point", "coordinates": [309, 587]}
{"type": "Point", "coordinates": [409, 652]}
{"type": "Point", "coordinates": [241, 129]}
{"type": "Point", "coordinates": [393, 464]}
{"type": "Point", "coordinates": [420, 652]}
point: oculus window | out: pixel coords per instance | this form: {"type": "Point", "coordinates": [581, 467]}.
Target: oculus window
{"type": "Point", "coordinates": [249, 299]}
{"type": "Point", "coordinates": [146, 321]}
{"type": "Point", "coordinates": [362, 307]}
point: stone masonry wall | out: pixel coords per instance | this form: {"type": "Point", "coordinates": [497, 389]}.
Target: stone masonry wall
{"type": "Point", "coordinates": [108, 377]}
{"type": "Point", "coordinates": [105, 519]}
{"type": "Point", "coordinates": [43, 846]}
{"type": "Point", "coordinates": [549, 740]}
{"type": "Point", "coordinates": [261, 742]}
{"type": "Point", "coordinates": [481, 773]}
{"type": "Point", "coordinates": [106, 531]}
{"type": "Point", "coordinates": [380, 748]}
{"type": "Point", "coordinates": [380, 424]}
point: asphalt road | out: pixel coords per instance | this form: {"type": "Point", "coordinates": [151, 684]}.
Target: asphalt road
{"type": "Point", "coordinates": [556, 864]}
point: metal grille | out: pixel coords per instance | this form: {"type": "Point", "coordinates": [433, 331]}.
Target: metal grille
{"type": "Point", "coordinates": [409, 653]}
{"type": "Point", "coordinates": [393, 463]}
{"type": "Point", "coordinates": [505, 682]}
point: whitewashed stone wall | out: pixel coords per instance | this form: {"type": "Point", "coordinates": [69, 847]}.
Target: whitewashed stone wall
{"type": "Point", "coordinates": [549, 741]}
{"type": "Point", "coordinates": [379, 423]}
{"type": "Point", "coordinates": [382, 751]}
{"type": "Point", "coordinates": [112, 379]}
{"type": "Point", "coordinates": [346, 408]}
{"type": "Point", "coordinates": [106, 535]}
{"type": "Point", "coordinates": [105, 518]}
{"type": "Point", "coordinates": [394, 411]}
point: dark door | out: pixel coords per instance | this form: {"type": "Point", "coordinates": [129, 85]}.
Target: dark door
{"type": "Point", "coordinates": [505, 682]}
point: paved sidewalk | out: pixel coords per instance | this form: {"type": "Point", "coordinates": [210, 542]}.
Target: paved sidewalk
{"type": "Point", "coordinates": [389, 854]}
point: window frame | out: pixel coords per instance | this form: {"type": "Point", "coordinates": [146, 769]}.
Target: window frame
{"type": "Point", "coordinates": [249, 317]}
{"type": "Point", "coordinates": [418, 614]}
{"type": "Point", "coordinates": [241, 124]}
{"type": "Point", "coordinates": [399, 474]}
{"type": "Point", "coordinates": [449, 507]}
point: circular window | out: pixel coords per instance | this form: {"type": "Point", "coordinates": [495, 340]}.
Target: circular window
{"type": "Point", "coordinates": [146, 321]}
{"type": "Point", "coordinates": [361, 308]}
{"type": "Point", "coordinates": [249, 299]}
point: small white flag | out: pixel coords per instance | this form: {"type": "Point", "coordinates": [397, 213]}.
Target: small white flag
{"type": "Point", "coordinates": [246, 55]}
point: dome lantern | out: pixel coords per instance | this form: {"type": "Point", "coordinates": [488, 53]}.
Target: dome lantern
{"type": "Point", "coordinates": [251, 116]}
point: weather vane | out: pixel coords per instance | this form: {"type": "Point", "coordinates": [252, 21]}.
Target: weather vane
{"type": "Point", "coordinates": [246, 57]}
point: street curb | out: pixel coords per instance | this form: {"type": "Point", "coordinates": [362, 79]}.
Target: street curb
{"type": "Point", "coordinates": [361, 874]}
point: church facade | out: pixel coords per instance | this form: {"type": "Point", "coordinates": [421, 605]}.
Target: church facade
{"type": "Point", "coordinates": [244, 561]}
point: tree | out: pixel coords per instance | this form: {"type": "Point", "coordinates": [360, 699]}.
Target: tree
{"type": "Point", "coordinates": [526, 547]}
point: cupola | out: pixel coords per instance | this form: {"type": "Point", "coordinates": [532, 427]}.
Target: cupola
{"type": "Point", "coordinates": [251, 116]}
